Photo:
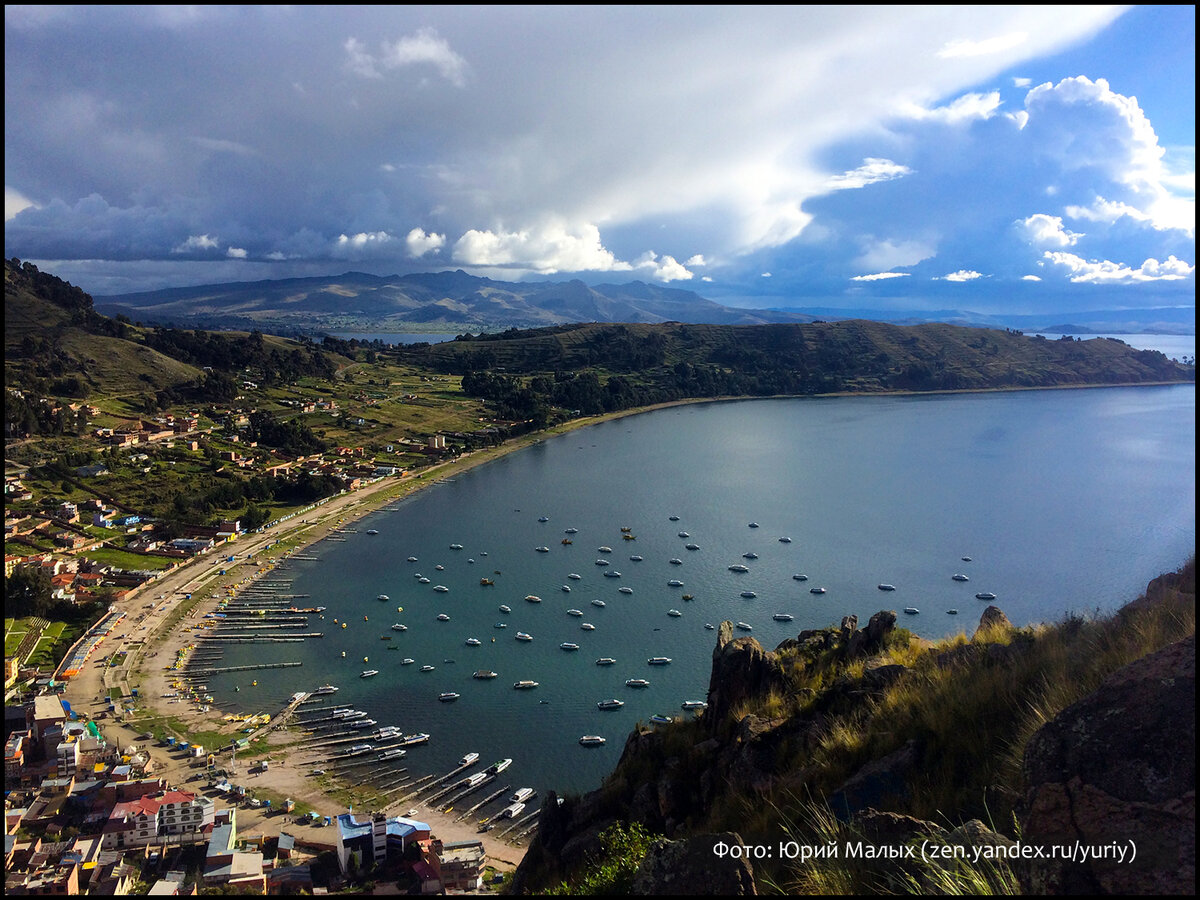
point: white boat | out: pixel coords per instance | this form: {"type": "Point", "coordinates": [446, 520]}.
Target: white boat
{"type": "Point", "coordinates": [567, 645]}
{"type": "Point", "coordinates": [426, 668]}
{"type": "Point", "coordinates": [574, 612]}
{"type": "Point", "coordinates": [709, 626]}
{"type": "Point", "coordinates": [958, 576]}
{"type": "Point", "coordinates": [500, 625]}
{"type": "Point", "coordinates": [635, 558]}
{"type": "Point", "coordinates": [383, 597]}
{"type": "Point", "coordinates": [887, 587]}
{"type": "Point", "coordinates": [484, 674]}
{"type": "Point", "coordinates": [604, 549]}
{"type": "Point", "coordinates": [421, 579]}
{"type": "Point", "coordinates": [440, 567]}
{"type": "Point", "coordinates": [572, 531]}
{"type": "Point", "coordinates": [658, 719]}
{"type": "Point", "coordinates": [511, 811]}
{"type": "Point", "coordinates": [692, 547]}
{"type": "Point", "coordinates": [524, 685]}
{"type": "Point", "coordinates": [369, 673]}
{"type": "Point", "coordinates": [468, 759]}
{"type": "Point", "coordinates": [497, 767]}
{"type": "Point", "coordinates": [744, 627]}
{"type": "Point", "coordinates": [574, 577]}
{"type": "Point", "coordinates": [325, 689]}
{"type": "Point", "coordinates": [684, 534]}
{"type": "Point", "coordinates": [785, 540]}
{"type": "Point", "coordinates": [372, 531]}
{"type": "Point", "coordinates": [456, 546]}
{"type": "Point", "coordinates": [521, 795]}
{"type": "Point", "coordinates": [533, 598]}
{"type": "Point", "coordinates": [674, 613]}
{"type": "Point", "coordinates": [673, 518]}
{"type": "Point", "coordinates": [396, 753]}
{"type": "Point", "coordinates": [749, 595]}
{"type": "Point", "coordinates": [522, 636]}
{"type": "Point", "coordinates": [752, 525]}
{"type": "Point", "coordinates": [448, 697]}
{"type": "Point", "coordinates": [600, 603]}
{"type": "Point", "coordinates": [694, 704]}
{"type": "Point", "coordinates": [605, 661]}
{"type": "Point", "coordinates": [410, 739]}
{"type": "Point", "coordinates": [659, 661]}
{"type": "Point", "coordinates": [817, 590]}
{"type": "Point", "coordinates": [675, 561]}
{"type": "Point", "coordinates": [473, 642]}
{"type": "Point", "coordinates": [610, 704]}
{"type": "Point", "coordinates": [738, 567]}
{"type": "Point", "coordinates": [399, 627]}
{"type": "Point", "coordinates": [543, 518]}
{"type": "Point", "coordinates": [623, 590]}
{"type": "Point", "coordinates": [588, 626]}
{"type": "Point", "coordinates": [985, 595]}
{"type": "Point", "coordinates": [566, 589]}
{"type": "Point", "coordinates": [674, 582]}
{"type": "Point", "coordinates": [750, 555]}
{"type": "Point", "coordinates": [412, 559]}
{"type": "Point", "coordinates": [407, 661]}
{"type": "Point", "coordinates": [602, 562]}
{"type": "Point", "coordinates": [441, 588]}
{"type": "Point", "coordinates": [504, 608]}
{"type": "Point", "coordinates": [542, 549]}
{"type": "Point", "coordinates": [799, 578]}
{"type": "Point", "coordinates": [637, 683]}
{"type": "Point", "coordinates": [612, 573]}
{"type": "Point", "coordinates": [782, 617]}
{"type": "Point", "coordinates": [911, 610]}
{"type": "Point", "coordinates": [442, 617]}
{"type": "Point", "coordinates": [591, 740]}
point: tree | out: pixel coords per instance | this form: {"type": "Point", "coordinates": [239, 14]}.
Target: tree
{"type": "Point", "coordinates": [27, 592]}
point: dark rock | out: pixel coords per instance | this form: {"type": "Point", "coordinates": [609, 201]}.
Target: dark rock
{"type": "Point", "coordinates": [870, 639]}
{"type": "Point", "coordinates": [694, 867]}
{"type": "Point", "coordinates": [880, 783]}
{"type": "Point", "coordinates": [993, 619]}
{"type": "Point", "coordinates": [878, 827]}
{"type": "Point", "coordinates": [1118, 770]}
{"type": "Point", "coordinates": [741, 670]}
{"type": "Point", "coordinates": [879, 677]}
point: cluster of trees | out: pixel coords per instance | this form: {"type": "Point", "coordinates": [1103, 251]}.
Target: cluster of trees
{"type": "Point", "coordinates": [236, 352]}
{"type": "Point", "coordinates": [27, 592]}
{"type": "Point", "coordinates": [26, 414]}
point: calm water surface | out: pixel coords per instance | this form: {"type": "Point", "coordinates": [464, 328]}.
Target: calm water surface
{"type": "Point", "coordinates": [1064, 501]}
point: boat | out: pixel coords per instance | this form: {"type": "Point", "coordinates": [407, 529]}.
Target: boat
{"type": "Point", "coordinates": [440, 568]}
{"type": "Point", "coordinates": [688, 597]}
{"type": "Point", "coordinates": [816, 590]}
{"type": "Point", "coordinates": [709, 626]}
{"type": "Point", "coordinates": [511, 811]}
{"type": "Point", "coordinates": [421, 579]}
{"type": "Point", "coordinates": [887, 587]}
{"type": "Point", "coordinates": [749, 595]}
{"type": "Point", "coordinates": [574, 612]}
{"type": "Point", "coordinates": [369, 673]}
{"type": "Point", "coordinates": [426, 668]}
{"type": "Point", "coordinates": [483, 582]}
{"type": "Point", "coordinates": [985, 595]}
{"type": "Point", "coordinates": [500, 625]}
{"type": "Point", "coordinates": [384, 597]}
{"type": "Point", "coordinates": [473, 642]}
{"type": "Point", "coordinates": [675, 561]}
{"type": "Point", "coordinates": [637, 683]}
{"type": "Point", "coordinates": [785, 540]}
{"type": "Point", "coordinates": [610, 704]}
{"type": "Point", "coordinates": [325, 689]}
{"type": "Point", "coordinates": [407, 661]}
{"type": "Point", "coordinates": [441, 588]}
{"type": "Point", "coordinates": [750, 555]}
{"type": "Point", "coordinates": [612, 573]}
{"type": "Point", "coordinates": [623, 590]}
{"type": "Point", "coordinates": [399, 627]}
{"type": "Point", "coordinates": [542, 549]}
{"type": "Point", "coordinates": [522, 636]}
{"type": "Point", "coordinates": [966, 559]}
{"type": "Point", "coordinates": [635, 558]}
{"type": "Point", "coordinates": [799, 578]}
{"type": "Point", "coordinates": [410, 739]}
{"type": "Point", "coordinates": [952, 612]}
{"type": "Point", "coordinates": [504, 608]}
{"type": "Point", "coordinates": [604, 549]}
{"type": "Point", "coordinates": [566, 541]}
{"type": "Point", "coordinates": [684, 534]}
{"type": "Point", "coordinates": [911, 610]}
{"type": "Point", "coordinates": [395, 753]}
{"type": "Point", "coordinates": [752, 525]}
{"type": "Point", "coordinates": [738, 567]}
{"type": "Point", "coordinates": [591, 740]}
{"type": "Point", "coordinates": [692, 547]}
{"type": "Point", "coordinates": [744, 627]}
{"type": "Point", "coordinates": [442, 617]}
{"type": "Point", "coordinates": [448, 697]}
{"type": "Point", "coordinates": [782, 617]}
{"type": "Point", "coordinates": [469, 759]}
{"type": "Point", "coordinates": [412, 559]}
{"type": "Point", "coordinates": [694, 704]}
{"type": "Point", "coordinates": [372, 531]}
{"type": "Point", "coordinates": [572, 531]}
{"type": "Point", "coordinates": [484, 674]}
{"type": "Point", "coordinates": [533, 598]}
{"type": "Point", "coordinates": [674, 582]}
{"type": "Point", "coordinates": [605, 661]}
{"type": "Point", "coordinates": [543, 518]}
{"type": "Point", "coordinates": [567, 645]}
{"type": "Point", "coordinates": [566, 589]}
{"type": "Point", "coordinates": [497, 767]}
{"type": "Point", "coordinates": [659, 661]}
{"type": "Point", "coordinates": [382, 637]}
{"type": "Point", "coordinates": [958, 576]}
{"type": "Point", "coordinates": [674, 613]}
{"type": "Point", "coordinates": [588, 626]}
{"type": "Point", "coordinates": [602, 562]}
{"type": "Point", "coordinates": [629, 537]}
{"type": "Point", "coordinates": [674, 518]}
{"type": "Point", "coordinates": [524, 685]}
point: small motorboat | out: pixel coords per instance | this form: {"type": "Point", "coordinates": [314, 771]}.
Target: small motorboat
{"type": "Point", "coordinates": [448, 697]}
{"type": "Point", "coordinates": [591, 740]}
{"type": "Point", "coordinates": [985, 595]}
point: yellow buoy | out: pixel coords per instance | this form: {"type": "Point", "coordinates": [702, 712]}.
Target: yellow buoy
{"type": "Point", "coordinates": [364, 659]}
{"type": "Point", "coordinates": [343, 654]}
{"type": "Point", "coordinates": [343, 624]}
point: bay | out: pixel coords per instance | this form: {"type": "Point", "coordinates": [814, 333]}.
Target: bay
{"type": "Point", "coordinates": [1066, 501]}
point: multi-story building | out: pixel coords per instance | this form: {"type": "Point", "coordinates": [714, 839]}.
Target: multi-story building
{"type": "Point", "coordinates": [164, 816]}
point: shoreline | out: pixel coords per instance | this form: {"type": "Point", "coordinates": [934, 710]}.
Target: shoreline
{"type": "Point", "coordinates": [157, 641]}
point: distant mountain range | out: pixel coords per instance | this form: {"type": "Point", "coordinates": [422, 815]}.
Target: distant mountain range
{"type": "Point", "coordinates": [456, 302]}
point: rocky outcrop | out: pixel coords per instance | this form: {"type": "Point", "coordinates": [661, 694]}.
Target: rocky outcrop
{"type": "Point", "coordinates": [870, 640]}
{"type": "Point", "coordinates": [880, 784]}
{"type": "Point", "coordinates": [698, 866]}
{"type": "Point", "coordinates": [1117, 772]}
{"type": "Point", "coordinates": [741, 670]}
{"type": "Point", "coordinates": [992, 621]}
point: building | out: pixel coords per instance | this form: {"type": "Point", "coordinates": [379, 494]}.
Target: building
{"type": "Point", "coordinates": [460, 864]}
{"type": "Point", "coordinates": [164, 816]}
{"type": "Point", "coordinates": [224, 864]}
{"type": "Point", "coordinates": [375, 840]}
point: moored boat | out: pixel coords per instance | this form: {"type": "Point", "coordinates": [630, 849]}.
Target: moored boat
{"type": "Point", "coordinates": [985, 595]}
{"type": "Point", "coordinates": [816, 590]}
{"type": "Point", "coordinates": [469, 759]}
{"type": "Point", "coordinates": [659, 661]}
{"type": "Point", "coordinates": [448, 697]}
{"type": "Point", "coordinates": [959, 576]}
{"type": "Point", "coordinates": [782, 617]}
{"type": "Point", "coordinates": [497, 767]}
{"type": "Point", "coordinates": [369, 673]}
{"type": "Point", "coordinates": [605, 661]}
{"type": "Point", "coordinates": [522, 636]}
{"type": "Point", "coordinates": [567, 645]}
{"type": "Point", "coordinates": [911, 610]}
{"type": "Point", "coordinates": [744, 627]}
{"type": "Point", "coordinates": [674, 613]}
{"type": "Point", "coordinates": [637, 683]}
{"type": "Point", "coordinates": [887, 587]}
{"type": "Point", "coordinates": [484, 674]}
{"type": "Point", "coordinates": [694, 704]}
{"type": "Point", "coordinates": [610, 704]}
{"type": "Point", "coordinates": [591, 740]}
{"type": "Point", "coordinates": [524, 685]}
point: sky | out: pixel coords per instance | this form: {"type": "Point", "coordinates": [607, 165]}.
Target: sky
{"type": "Point", "coordinates": [1015, 159]}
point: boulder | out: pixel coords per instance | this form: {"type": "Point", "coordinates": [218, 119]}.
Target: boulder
{"type": "Point", "coordinates": [1116, 771]}
{"type": "Point", "coordinates": [694, 867]}
{"type": "Point", "coordinates": [993, 619]}
{"type": "Point", "coordinates": [741, 670]}
{"type": "Point", "coordinates": [880, 783]}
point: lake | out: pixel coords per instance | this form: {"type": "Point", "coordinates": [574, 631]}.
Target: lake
{"type": "Point", "coordinates": [1064, 500]}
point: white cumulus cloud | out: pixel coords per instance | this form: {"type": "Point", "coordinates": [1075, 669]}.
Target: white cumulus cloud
{"type": "Point", "coordinates": [419, 243]}
{"type": "Point", "coordinates": [664, 268]}
{"type": "Point", "coordinates": [871, 171]}
{"type": "Point", "coordinates": [961, 275]}
{"type": "Point", "coordinates": [880, 276]}
{"type": "Point", "coordinates": [424, 47]}
{"type": "Point", "coordinates": [1107, 272]}
{"type": "Point", "coordinates": [236, 253]}
{"type": "Point", "coordinates": [1043, 229]}
{"type": "Point", "coordinates": [547, 249]}
{"type": "Point", "coordinates": [196, 243]}
{"type": "Point", "coordinates": [961, 47]}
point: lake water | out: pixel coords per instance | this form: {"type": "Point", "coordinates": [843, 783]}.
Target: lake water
{"type": "Point", "coordinates": [1065, 500]}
